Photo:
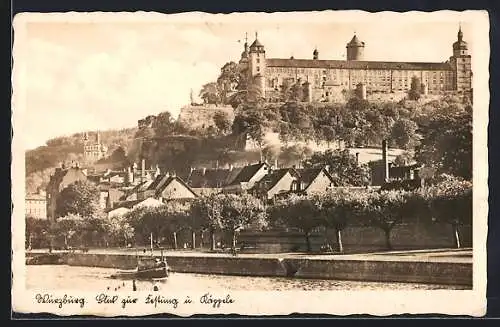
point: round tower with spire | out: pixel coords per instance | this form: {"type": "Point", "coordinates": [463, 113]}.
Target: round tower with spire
{"type": "Point", "coordinates": [355, 49]}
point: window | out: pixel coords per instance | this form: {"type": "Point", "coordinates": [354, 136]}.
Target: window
{"type": "Point", "coordinates": [258, 60]}
{"type": "Point", "coordinates": [258, 69]}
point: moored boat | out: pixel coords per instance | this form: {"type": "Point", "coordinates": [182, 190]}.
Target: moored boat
{"type": "Point", "coordinates": [147, 268]}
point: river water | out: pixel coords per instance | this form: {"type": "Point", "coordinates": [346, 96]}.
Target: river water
{"type": "Point", "coordinates": [61, 277]}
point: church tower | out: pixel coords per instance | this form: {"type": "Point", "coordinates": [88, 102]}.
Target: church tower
{"type": "Point", "coordinates": [244, 55]}
{"type": "Point", "coordinates": [355, 49]}
{"type": "Point", "coordinates": [257, 66]}
{"type": "Point", "coordinates": [461, 63]}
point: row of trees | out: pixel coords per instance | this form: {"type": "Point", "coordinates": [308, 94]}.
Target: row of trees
{"type": "Point", "coordinates": [448, 201]}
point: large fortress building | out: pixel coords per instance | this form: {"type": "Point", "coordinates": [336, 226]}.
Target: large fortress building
{"type": "Point", "coordinates": [320, 78]}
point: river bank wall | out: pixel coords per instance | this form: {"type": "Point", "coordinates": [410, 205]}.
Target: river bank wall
{"type": "Point", "coordinates": [373, 270]}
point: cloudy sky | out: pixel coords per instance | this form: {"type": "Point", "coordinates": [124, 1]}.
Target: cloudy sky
{"type": "Point", "coordinates": [86, 75]}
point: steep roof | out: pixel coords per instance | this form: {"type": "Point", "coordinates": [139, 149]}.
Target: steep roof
{"type": "Point", "coordinates": [271, 179]}
{"type": "Point", "coordinates": [233, 173]}
{"type": "Point", "coordinates": [210, 178]}
{"type": "Point", "coordinates": [307, 175]}
{"type": "Point", "coordinates": [166, 180]}
{"type": "Point", "coordinates": [256, 43]}
{"type": "Point", "coordinates": [355, 42]}
{"type": "Point", "coordinates": [59, 174]}
{"type": "Point", "coordinates": [154, 184]}
{"type": "Point", "coordinates": [344, 64]}
{"type": "Point", "coordinates": [247, 173]}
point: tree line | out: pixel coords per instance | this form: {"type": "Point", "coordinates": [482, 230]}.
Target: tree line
{"type": "Point", "coordinates": [448, 200]}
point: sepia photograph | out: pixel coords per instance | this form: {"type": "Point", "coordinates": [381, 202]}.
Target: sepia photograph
{"type": "Point", "coordinates": [256, 163]}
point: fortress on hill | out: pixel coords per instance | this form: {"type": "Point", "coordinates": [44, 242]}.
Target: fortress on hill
{"type": "Point", "coordinates": [326, 80]}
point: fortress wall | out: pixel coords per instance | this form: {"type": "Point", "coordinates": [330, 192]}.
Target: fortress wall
{"type": "Point", "coordinates": [201, 117]}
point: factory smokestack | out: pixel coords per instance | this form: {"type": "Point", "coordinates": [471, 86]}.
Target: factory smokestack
{"type": "Point", "coordinates": [385, 160]}
{"type": "Point", "coordinates": [143, 169]}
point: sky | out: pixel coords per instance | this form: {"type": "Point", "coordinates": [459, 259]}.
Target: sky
{"type": "Point", "coordinates": [81, 75]}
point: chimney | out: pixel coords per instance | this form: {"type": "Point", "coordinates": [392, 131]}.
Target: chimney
{"type": "Point", "coordinates": [143, 168]}
{"type": "Point", "coordinates": [357, 158]}
{"type": "Point", "coordinates": [204, 170]}
{"type": "Point", "coordinates": [231, 167]}
{"type": "Point", "coordinates": [385, 160]}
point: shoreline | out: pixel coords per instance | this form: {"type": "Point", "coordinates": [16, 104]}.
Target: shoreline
{"type": "Point", "coordinates": [445, 266]}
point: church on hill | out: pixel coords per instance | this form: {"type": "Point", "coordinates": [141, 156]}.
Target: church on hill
{"type": "Point", "coordinates": [320, 78]}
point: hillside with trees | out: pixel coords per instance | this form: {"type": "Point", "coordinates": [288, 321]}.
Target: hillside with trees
{"type": "Point", "coordinates": [41, 161]}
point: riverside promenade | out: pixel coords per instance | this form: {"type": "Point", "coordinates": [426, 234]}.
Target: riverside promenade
{"type": "Point", "coordinates": [437, 266]}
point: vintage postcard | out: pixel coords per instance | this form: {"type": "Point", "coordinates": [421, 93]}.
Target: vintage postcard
{"type": "Point", "coordinates": [329, 162]}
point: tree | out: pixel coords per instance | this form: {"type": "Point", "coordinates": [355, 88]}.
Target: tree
{"type": "Point", "coordinates": [240, 212]}
{"type": "Point", "coordinates": [210, 93]}
{"type": "Point", "coordinates": [80, 198]}
{"type": "Point", "coordinates": [222, 122]}
{"type": "Point", "coordinates": [69, 227]}
{"type": "Point", "coordinates": [328, 133]}
{"type": "Point", "coordinates": [337, 209]}
{"type": "Point", "coordinates": [403, 133]}
{"type": "Point", "coordinates": [164, 124]}
{"type": "Point", "coordinates": [297, 92]}
{"type": "Point", "coordinates": [119, 155]}
{"type": "Point", "coordinates": [251, 122]}
{"type": "Point", "coordinates": [342, 166]}
{"type": "Point", "coordinates": [228, 80]}
{"type": "Point", "coordinates": [206, 212]}
{"type": "Point", "coordinates": [36, 232]}
{"type": "Point", "coordinates": [447, 144]}
{"type": "Point", "coordinates": [120, 231]}
{"type": "Point", "coordinates": [297, 212]}
{"type": "Point", "coordinates": [415, 89]}
{"type": "Point", "coordinates": [385, 210]}
{"type": "Point", "coordinates": [160, 221]}
{"type": "Point", "coordinates": [450, 201]}
{"type": "Point", "coordinates": [286, 90]}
